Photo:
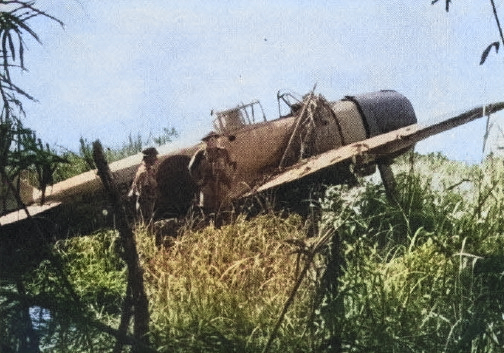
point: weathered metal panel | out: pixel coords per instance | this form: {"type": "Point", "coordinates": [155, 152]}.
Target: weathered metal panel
{"type": "Point", "coordinates": [258, 146]}
{"type": "Point", "coordinates": [349, 121]}
{"type": "Point", "coordinates": [384, 111]}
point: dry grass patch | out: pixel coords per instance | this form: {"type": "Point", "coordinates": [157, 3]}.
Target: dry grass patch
{"type": "Point", "coordinates": [224, 287]}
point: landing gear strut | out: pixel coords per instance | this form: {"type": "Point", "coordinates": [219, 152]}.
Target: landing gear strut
{"type": "Point", "coordinates": [388, 180]}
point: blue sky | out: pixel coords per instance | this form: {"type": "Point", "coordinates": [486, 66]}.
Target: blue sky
{"type": "Point", "coordinates": [126, 67]}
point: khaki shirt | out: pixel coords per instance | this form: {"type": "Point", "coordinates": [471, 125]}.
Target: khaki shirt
{"type": "Point", "coordinates": [145, 183]}
{"type": "Point", "coordinates": [211, 165]}
{"type": "Point", "coordinates": [211, 169]}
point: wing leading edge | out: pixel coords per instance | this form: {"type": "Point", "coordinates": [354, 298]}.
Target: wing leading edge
{"type": "Point", "coordinates": [375, 148]}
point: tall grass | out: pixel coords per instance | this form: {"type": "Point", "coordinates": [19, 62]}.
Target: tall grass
{"type": "Point", "coordinates": [422, 276]}
{"type": "Point", "coordinates": [222, 289]}
{"type": "Point", "coordinates": [425, 275]}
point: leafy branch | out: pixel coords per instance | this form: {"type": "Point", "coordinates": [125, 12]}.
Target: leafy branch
{"type": "Point", "coordinates": [19, 148]}
{"type": "Point", "coordinates": [495, 44]}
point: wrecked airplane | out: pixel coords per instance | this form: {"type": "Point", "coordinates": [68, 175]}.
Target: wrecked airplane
{"type": "Point", "coordinates": [316, 137]}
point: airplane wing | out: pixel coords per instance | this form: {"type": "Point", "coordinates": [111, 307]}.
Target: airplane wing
{"type": "Point", "coordinates": [374, 148]}
{"type": "Point", "coordinates": [33, 210]}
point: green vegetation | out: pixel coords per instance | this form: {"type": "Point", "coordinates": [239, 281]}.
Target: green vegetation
{"type": "Point", "coordinates": [82, 161]}
{"type": "Point", "coordinates": [422, 276]}
{"type": "Point", "coordinates": [425, 276]}
{"type": "Point", "coordinates": [20, 149]}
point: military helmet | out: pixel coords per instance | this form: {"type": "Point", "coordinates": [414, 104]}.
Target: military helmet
{"type": "Point", "coordinates": [210, 135]}
{"type": "Point", "coordinates": [150, 152]}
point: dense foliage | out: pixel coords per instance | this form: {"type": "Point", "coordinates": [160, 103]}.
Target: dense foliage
{"type": "Point", "coordinates": [426, 275]}
{"type": "Point", "coordinates": [421, 275]}
{"type": "Point", "coordinates": [20, 149]}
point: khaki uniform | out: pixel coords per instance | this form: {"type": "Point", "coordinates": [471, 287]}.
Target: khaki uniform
{"type": "Point", "coordinates": [145, 189]}
{"type": "Point", "coordinates": [211, 169]}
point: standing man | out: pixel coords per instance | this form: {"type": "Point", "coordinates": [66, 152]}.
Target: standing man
{"type": "Point", "coordinates": [210, 169]}
{"type": "Point", "coordinates": [144, 186]}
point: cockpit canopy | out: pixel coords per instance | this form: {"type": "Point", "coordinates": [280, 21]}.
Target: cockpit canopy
{"type": "Point", "coordinates": [228, 121]}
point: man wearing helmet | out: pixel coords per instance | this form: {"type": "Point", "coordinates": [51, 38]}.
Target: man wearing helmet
{"type": "Point", "coordinates": [144, 186]}
{"type": "Point", "coordinates": [210, 169]}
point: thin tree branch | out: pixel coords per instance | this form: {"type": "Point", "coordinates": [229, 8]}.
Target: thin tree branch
{"type": "Point", "coordinates": [497, 21]}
